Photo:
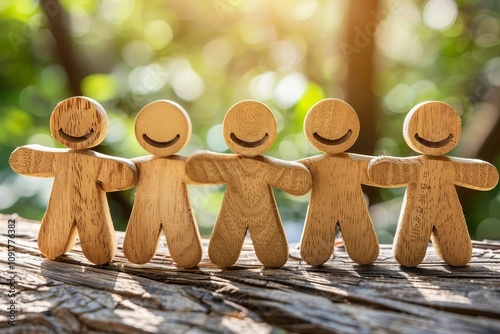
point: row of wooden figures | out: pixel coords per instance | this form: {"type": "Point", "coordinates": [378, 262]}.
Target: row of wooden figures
{"type": "Point", "coordinates": [78, 206]}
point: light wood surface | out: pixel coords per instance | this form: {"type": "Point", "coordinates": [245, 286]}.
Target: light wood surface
{"type": "Point", "coordinates": [70, 295]}
{"type": "Point", "coordinates": [79, 123]}
{"type": "Point", "coordinates": [337, 199]}
{"type": "Point", "coordinates": [249, 128]}
{"type": "Point", "coordinates": [249, 202]}
{"type": "Point", "coordinates": [162, 199]}
{"type": "Point", "coordinates": [77, 204]}
{"type": "Point", "coordinates": [431, 207]}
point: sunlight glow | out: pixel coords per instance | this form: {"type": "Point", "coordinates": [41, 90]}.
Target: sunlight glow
{"type": "Point", "coordinates": [440, 14]}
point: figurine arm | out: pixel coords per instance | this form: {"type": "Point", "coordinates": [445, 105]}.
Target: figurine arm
{"type": "Point", "coordinates": [475, 174]}
{"type": "Point", "coordinates": [362, 162]}
{"type": "Point", "coordinates": [289, 176]}
{"type": "Point", "coordinates": [116, 173]}
{"type": "Point", "coordinates": [392, 172]}
{"type": "Point", "coordinates": [34, 160]}
{"type": "Point", "coordinates": [208, 167]}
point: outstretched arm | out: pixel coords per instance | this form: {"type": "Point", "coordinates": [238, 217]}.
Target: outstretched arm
{"type": "Point", "coordinates": [34, 160]}
{"type": "Point", "coordinates": [208, 167]}
{"type": "Point", "coordinates": [475, 174]}
{"type": "Point", "coordinates": [292, 177]}
{"type": "Point", "coordinates": [363, 161]}
{"type": "Point", "coordinates": [393, 172]}
{"type": "Point", "coordinates": [115, 173]}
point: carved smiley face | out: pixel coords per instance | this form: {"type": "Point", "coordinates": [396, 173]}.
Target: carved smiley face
{"type": "Point", "coordinates": [162, 128]}
{"type": "Point", "coordinates": [79, 123]}
{"type": "Point", "coordinates": [432, 128]}
{"type": "Point", "coordinates": [331, 126]}
{"type": "Point", "coordinates": [249, 128]}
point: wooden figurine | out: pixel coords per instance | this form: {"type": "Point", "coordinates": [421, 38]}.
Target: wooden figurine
{"type": "Point", "coordinates": [332, 126]}
{"type": "Point", "coordinates": [431, 207]}
{"type": "Point", "coordinates": [249, 129]}
{"type": "Point", "coordinates": [77, 204]}
{"type": "Point", "coordinates": [162, 201]}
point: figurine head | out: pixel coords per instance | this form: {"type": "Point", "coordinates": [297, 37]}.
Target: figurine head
{"type": "Point", "coordinates": [162, 128]}
{"type": "Point", "coordinates": [432, 128]}
{"type": "Point", "coordinates": [331, 126]}
{"type": "Point", "coordinates": [249, 128]}
{"type": "Point", "coordinates": [79, 123]}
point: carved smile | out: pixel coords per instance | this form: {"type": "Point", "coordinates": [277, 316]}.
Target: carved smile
{"type": "Point", "coordinates": [74, 139]}
{"type": "Point", "coordinates": [249, 144]}
{"type": "Point", "coordinates": [333, 142]}
{"type": "Point", "coordinates": [161, 144]}
{"type": "Point", "coordinates": [434, 144]}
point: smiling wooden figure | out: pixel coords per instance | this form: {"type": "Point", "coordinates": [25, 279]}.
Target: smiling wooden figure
{"type": "Point", "coordinates": [431, 207]}
{"type": "Point", "coordinates": [249, 130]}
{"type": "Point", "coordinates": [77, 205]}
{"type": "Point", "coordinates": [162, 201]}
{"type": "Point", "coordinates": [332, 126]}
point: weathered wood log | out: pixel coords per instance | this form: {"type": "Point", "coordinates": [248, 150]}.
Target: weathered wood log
{"type": "Point", "coordinates": [71, 295]}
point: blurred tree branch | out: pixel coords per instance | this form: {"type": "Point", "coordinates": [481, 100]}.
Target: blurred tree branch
{"type": "Point", "coordinates": [67, 56]}
{"type": "Point", "coordinates": [361, 26]}
{"type": "Point", "coordinates": [359, 49]}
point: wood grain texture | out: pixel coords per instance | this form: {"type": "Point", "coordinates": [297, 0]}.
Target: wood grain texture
{"type": "Point", "coordinates": [249, 129]}
{"type": "Point", "coordinates": [337, 199]}
{"type": "Point", "coordinates": [162, 198]}
{"type": "Point", "coordinates": [431, 207]}
{"type": "Point", "coordinates": [71, 295]}
{"type": "Point", "coordinates": [77, 204]}
{"type": "Point", "coordinates": [248, 203]}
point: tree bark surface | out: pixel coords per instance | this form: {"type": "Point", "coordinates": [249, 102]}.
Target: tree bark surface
{"type": "Point", "coordinates": [71, 295]}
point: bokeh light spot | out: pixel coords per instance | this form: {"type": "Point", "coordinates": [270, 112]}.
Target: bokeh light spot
{"type": "Point", "coordinates": [217, 53]}
{"type": "Point", "coordinates": [304, 9]}
{"type": "Point", "coordinates": [158, 34]}
{"type": "Point", "coordinates": [262, 86]}
{"type": "Point", "coordinates": [400, 99]}
{"type": "Point", "coordinates": [488, 229]}
{"type": "Point", "coordinates": [100, 87]}
{"type": "Point", "coordinates": [290, 89]}
{"type": "Point", "coordinates": [440, 14]}
{"type": "Point", "coordinates": [215, 139]}
{"type": "Point", "coordinates": [188, 85]}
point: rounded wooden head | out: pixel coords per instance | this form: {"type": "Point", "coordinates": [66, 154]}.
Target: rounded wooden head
{"type": "Point", "coordinates": [432, 128]}
{"type": "Point", "coordinates": [249, 128]}
{"type": "Point", "coordinates": [79, 123]}
{"type": "Point", "coordinates": [331, 126]}
{"type": "Point", "coordinates": [162, 128]}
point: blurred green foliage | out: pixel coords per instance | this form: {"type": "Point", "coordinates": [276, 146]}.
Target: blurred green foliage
{"type": "Point", "coordinates": [207, 55]}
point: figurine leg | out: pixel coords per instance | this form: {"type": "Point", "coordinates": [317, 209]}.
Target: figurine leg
{"type": "Point", "coordinates": [411, 240]}
{"type": "Point", "coordinates": [451, 239]}
{"type": "Point", "coordinates": [269, 241]}
{"type": "Point", "coordinates": [227, 238]}
{"type": "Point", "coordinates": [56, 236]}
{"type": "Point", "coordinates": [318, 238]}
{"type": "Point", "coordinates": [141, 237]}
{"type": "Point", "coordinates": [183, 239]}
{"type": "Point", "coordinates": [97, 234]}
{"type": "Point", "coordinates": [359, 236]}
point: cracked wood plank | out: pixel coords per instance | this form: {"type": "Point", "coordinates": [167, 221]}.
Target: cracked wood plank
{"type": "Point", "coordinates": [72, 295]}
